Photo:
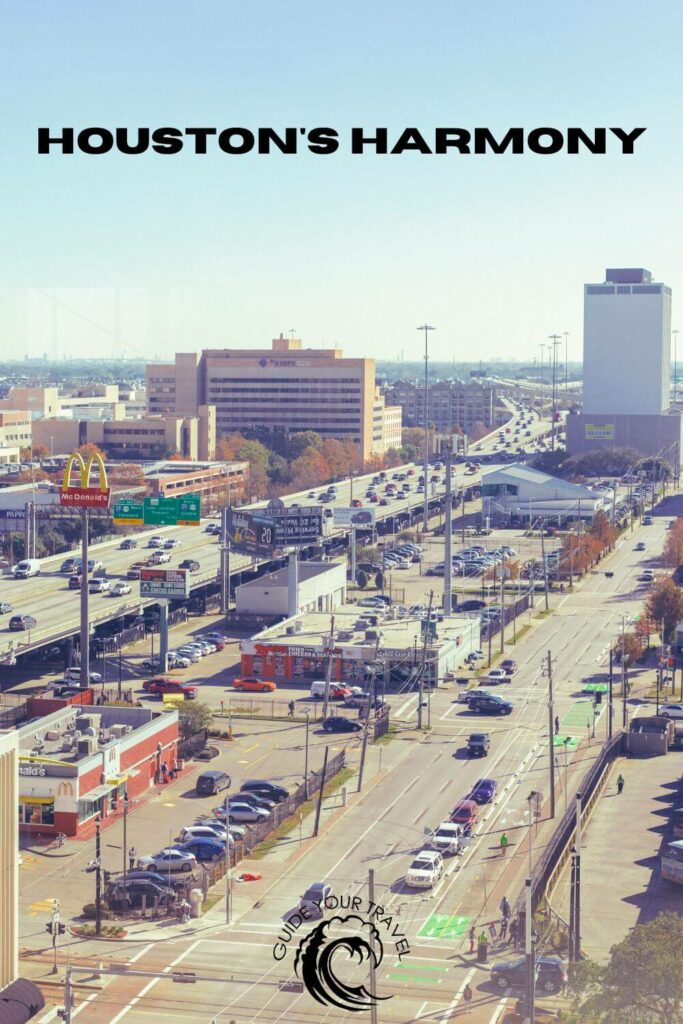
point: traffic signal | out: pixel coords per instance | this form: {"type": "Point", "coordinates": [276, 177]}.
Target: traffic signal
{"type": "Point", "coordinates": [61, 928]}
{"type": "Point", "coordinates": [48, 927]}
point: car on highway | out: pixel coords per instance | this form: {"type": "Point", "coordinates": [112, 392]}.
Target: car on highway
{"type": "Point", "coordinates": [20, 622]}
{"type": "Point", "coordinates": [640, 546]}
{"type": "Point", "coordinates": [253, 684]}
{"type": "Point", "coordinates": [509, 665]}
{"type": "Point", "coordinates": [119, 589]}
{"type": "Point", "coordinates": [156, 541]}
{"type": "Point", "coordinates": [98, 586]}
{"type": "Point", "coordinates": [75, 582]}
{"type": "Point", "coordinates": [311, 902]}
{"type": "Point", "coordinates": [172, 542]}
{"type": "Point", "coordinates": [446, 838]}
{"type": "Point", "coordinates": [671, 710]}
{"type": "Point", "coordinates": [127, 543]}
{"type": "Point", "coordinates": [466, 814]}
{"type": "Point", "coordinates": [484, 790]}
{"type": "Point", "coordinates": [133, 572]}
{"type": "Point", "coordinates": [69, 564]}
{"type": "Point", "coordinates": [262, 787]}
{"type": "Point", "coordinates": [5, 607]}
{"type": "Point", "coordinates": [168, 859]}
{"type": "Point", "coordinates": [160, 557]}
{"type": "Point", "coordinates": [497, 675]}
{"type": "Point", "coordinates": [646, 576]}
{"type": "Point", "coordinates": [337, 723]}
{"type": "Point", "coordinates": [489, 704]}
{"type": "Point", "coordinates": [550, 973]}
{"type": "Point", "coordinates": [191, 564]}
{"type": "Point", "coordinates": [204, 849]}
{"type": "Point", "coordinates": [647, 520]}
{"type": "Point", "coordinates": [425, 870]}
{"type": "Point", "coordinates": [159, 687]}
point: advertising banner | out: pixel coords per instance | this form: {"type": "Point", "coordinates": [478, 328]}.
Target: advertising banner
{"type": "Point", "coordinates": [345, 518]}
{"type": "Point", "coordinates": [172, 584]}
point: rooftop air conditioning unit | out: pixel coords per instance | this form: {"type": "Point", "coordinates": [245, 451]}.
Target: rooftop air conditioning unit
{"type": "Point", "coordinates": [345, 634]}
{"type": "Point", "coordinates": [87, 746]}
{"type": "Point", "coordinates": [119, 730]}
{"type": "Point", "coordinates": [289, 630]}
{"type": "Point", "coordinates": [298, 626]}
{"type": "Point", "coordinates": [372, 634]}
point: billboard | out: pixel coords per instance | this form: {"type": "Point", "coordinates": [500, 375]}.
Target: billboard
{"type": "Point", "coordinates": [172, 584]}
{"type": "Point", "coordinates": [84, 496]}
{"type": "Point", "coordinates": [250, 532]}
{"type": "Point", "coordinates": [346, 518]}
{"type": "Point", "coordinates": [296, 525]}
{"type": "Point", "coordinates": [599, 432]}
{"type": "Point", "coordinates": [261, 531]}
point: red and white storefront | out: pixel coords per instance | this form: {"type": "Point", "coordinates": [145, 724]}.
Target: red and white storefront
{"type": "Point", "coordinates": [61, 790]}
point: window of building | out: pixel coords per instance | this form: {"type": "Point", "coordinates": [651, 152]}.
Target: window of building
{"type": "Point", "coordinates": [36, 814]}
{"type": "Point", "coordinates": [497, 490]}
{"type": "Point", "coordinates": [89, 808]}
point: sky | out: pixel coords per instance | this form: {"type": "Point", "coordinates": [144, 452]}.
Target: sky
{"type": "Point", "coordinates": [145, 255]}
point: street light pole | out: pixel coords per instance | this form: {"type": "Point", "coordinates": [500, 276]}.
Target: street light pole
{"type": "Point", "coordinates": [308, 716]}
{"type": "Point", "coordinates": [675, 334]}
{"type": "Point", "coordinates": [98, 878]}
{"type": "Point", "coordinates": [425, 522]}
{"type": "Point", "coordinates": [125, 844]}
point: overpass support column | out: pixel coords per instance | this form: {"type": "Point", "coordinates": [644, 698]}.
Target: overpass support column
{"type": "Point", "coordinates": [293, 584]}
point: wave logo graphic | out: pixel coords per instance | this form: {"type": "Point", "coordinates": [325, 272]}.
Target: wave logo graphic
{"type": "Point", "coordinates": [323, 952]}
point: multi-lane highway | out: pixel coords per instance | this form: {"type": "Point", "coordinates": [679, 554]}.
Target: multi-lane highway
{"type": "Point", "coordinates": [56, 608]}
{"type": "Point", "coordinates": [421, 781]}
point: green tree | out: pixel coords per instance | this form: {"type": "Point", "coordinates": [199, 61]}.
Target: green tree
{"type": "Point", "coordinates": [362, 579]}
{"type": "Point", "coordinates": [642, 983]}
{"type": "Point", "coordinates": [299, 442]}
{"type": "Point", "coordinates": [193, 718]}
{"type": "Point", "coordinates": [665, 604]}
{"type": "Point", "coordinates": [379, 580]}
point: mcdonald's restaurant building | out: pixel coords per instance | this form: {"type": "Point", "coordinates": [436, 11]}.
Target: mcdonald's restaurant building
{"type": "Point", "coordinates": [79, 761]}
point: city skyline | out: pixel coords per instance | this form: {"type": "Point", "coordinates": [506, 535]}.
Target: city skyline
{"type": "Point", "coordinates": [354, 251]}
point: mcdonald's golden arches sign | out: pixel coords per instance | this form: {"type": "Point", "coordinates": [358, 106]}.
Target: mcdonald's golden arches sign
{"type": "Point", "coordinates": [85, 495]}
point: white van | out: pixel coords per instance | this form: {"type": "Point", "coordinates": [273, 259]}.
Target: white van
{"type": "Point", "coordinates": [27, 567]}
{"type": "Point", "coordinates": [318, 689]}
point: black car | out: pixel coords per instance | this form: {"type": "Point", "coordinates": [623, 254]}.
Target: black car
{"type": "Point", "coordinates": [336, 723]}
{"type": "Point", "coordinates": [139, 875]}
{"type": "Point", "coordinates": [489, 704]}
{"type": "Point", "coordinates": [478, 744]}
{"type": "Point", "coordinates": [190, 564]}
{"type": "Point", "coordinates": [470, 606]}
{"type": "Point", "coordinates": [128, 543]}
{"type": "Point", "coordinates": [68, 565]}
{"type": "Point", "coordinates": [550, 973]}
{"type": "Point", "coordinates": [259, 800]}
{"type": "Point", "coordinates": [139, 890]}
{"type": "Point", "coordinates": [19, 622]}
{"type": "Point", "coordinates": [270, 790]}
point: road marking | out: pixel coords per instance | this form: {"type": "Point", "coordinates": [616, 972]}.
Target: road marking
{"type": "Point", "coordinates": [153, 981]}
{"type": "Point", "coordinates": [458, 995]}
{"type": "Point", "coordinates": [501, 1006]}
{"type": "Point", "coordinates": [444, 926]}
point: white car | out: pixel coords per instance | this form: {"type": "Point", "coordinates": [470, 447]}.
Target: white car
{"type": "Point", "coordinates": [191, 653]}
{"type": "Point", "coordinates": [168, 860]}
{"type": "Point", "coordinates": [159, 557]}
{"type": "Point", "coordinates": [119, 589]}
{"type": "Point", "coordinates": [215, 831]}
{"type": "Point", "coordinates": [156, 542]}
{"type": "Point", "coordinates": [671, 710]}
{"type": "Point", "coordinates": [446, 837]}
{"type": "Point", "coordinates": [172, 542]}
{"type": "Point", "coordinates": [498, 675]}
{"type": "Point", "coordinates": [197, 648]}
{"type": "Point", "coordinates": [176, 660]}
{"type": "Point", "coordinates": [98, 586]}
{"type": "Point", "coordinates": [426, 869]}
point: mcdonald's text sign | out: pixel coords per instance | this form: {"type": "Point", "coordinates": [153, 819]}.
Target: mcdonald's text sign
{"type": "Point", "coordinates": [84, 495]}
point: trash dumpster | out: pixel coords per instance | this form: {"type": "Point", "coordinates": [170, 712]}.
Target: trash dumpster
{"type": "Point", "coordinates": [482, 952]}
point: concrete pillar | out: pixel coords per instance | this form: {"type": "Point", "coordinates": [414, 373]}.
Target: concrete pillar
{"type": "Point", "coordinates": [293, 584]}
{"type": "Point", "coordinates": [163, 637]}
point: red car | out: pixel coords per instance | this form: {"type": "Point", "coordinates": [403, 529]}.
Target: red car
{"type": "Point", "coordinates": [339, 692]}
{"type": "Point", "coordinates": [466, 814]}
{"type": "Point", "coordinates": [160, 686]}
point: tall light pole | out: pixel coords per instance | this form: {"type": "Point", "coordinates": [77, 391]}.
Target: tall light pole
{"type": "Point", "coordinates": [425, 521]}
{"type": "Point", "coordinates": [675, 334]}
{"type": "Point", "coordinates": [566, 362]}
{"type": "Point", "coordinates": [542, 348]}
{"type": "Point", "coordinates": [555, 338]}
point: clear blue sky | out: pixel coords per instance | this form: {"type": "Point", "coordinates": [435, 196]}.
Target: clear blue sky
{"type": "Point", "coordinates": [221, 250]}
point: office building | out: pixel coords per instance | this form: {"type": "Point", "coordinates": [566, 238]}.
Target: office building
{"type": "Point", "coordinates": [9, 856]}
{"type": "Point", "coordinates": [15, 430]}
{"type": "Point", "coordinates": [451, 403]}
{"type": "Point", "coordinates": [285, 388]}
{"type": "Point", "coordinates": [218, 483]}
{"type": "Point", "coordinates": [626, 368]}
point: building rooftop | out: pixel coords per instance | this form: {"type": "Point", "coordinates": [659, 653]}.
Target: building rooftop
{"type": "Point", "coordinates": [57, 736]}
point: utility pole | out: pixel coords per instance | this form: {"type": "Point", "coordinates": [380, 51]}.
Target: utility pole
{"type": "Point", "coordinates": [371, 701]}
{"type": "Point", "coordinates": [577, 882]}
{"type": "Point", "coordinates": [319, 805]}
{"type": "Point", "coordinates": [675, 334]}
{"type": "Point", "coordinates": [566, 364]}
{"type": "Point", "coordinates": [555, 338]}
{"type": "Point", "coordinates": [502, 608]}
{"type": "Point", "coordinates": [228, 865]}
{"type": "Point", "coordinates": [98, 876]}
{"type": "Point", "coordinates": [448, 534]}
{"type": "Point", "coordinates": [425, 520]}
{"type": "Point", "coordinates": [610, 699]}
{"type": "Point", "coordinates": [551, 735]}
{"type": "Point", "coordinates": [308, 719]}
{"type": "Point", "coordinates": [545, 564]}
{"type": "Point", "coordinates": [328, 673]}
{"type": "Point", "coordinates": [529, 951]}
{"type": "Point", "coordinates": [125, 844]}
{"type": "Point", "coordinates": [624, 680]}
{"type": "Point", "coordinates": [225, 562]}
{"type": "Point", "coordinates": [423, 664]}
{"type": "Point", "coordinates": [373, 955]}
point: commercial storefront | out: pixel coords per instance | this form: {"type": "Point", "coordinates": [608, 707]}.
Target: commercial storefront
{"type": "Point", "coordinates": [78, 763]}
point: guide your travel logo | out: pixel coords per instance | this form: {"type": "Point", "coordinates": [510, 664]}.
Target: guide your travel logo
{"type": "Point", "coordinates": [340, 948]}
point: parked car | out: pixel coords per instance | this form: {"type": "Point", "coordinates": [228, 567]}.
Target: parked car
{"type": "Point", "coordinates": [263, 788]}
{"type": "Point", "coordinates": [465, 813]}
{"type": "Point", "coordinates": [256, 800]}
{"type": "Point", "coordinates": [212, 782]}
{"type": "Point", "coordinates": [214, 831]}
{"type": "Point", "coordinates": [127, 543]}
{"type": "Point", "coordinates": [140, 891]}
{"type": "Point", "coordinates": [204, 849]}
{"type": "Point", "coordinates": [253, 684]}
{"type": "Point", "coordinates": [478, 744]}
{"type": "Point", "coordinates": [671, 710]}
{"type": "Point", "coordinates": [73, 675]}
{"type": "Point", "coordinates": [169, 860]}
{"type": "Point", "coordinates": [484, 790]}
{"type": "Point", "coordinates": [216, 642]}
{"type": "Point", "coordinates": [238, 810]}
{"type": "Point", "coordinates": [191, 653]}
{"type": "Point", "coordinates": [336, 690]}
{"type": "Point", "coordinates": [337, 723]}
{"type": "Point", "coordinates": [21, 622]}
{"type": "Point", "coordinates": [140, 875]}
{"type": "Point", "coordinates": [550, 973]}
{"type": "Point", "coordinates": [119, 589]}
{"type": "Point", "coordinates": [446, 837]}
{"type": "Point", "coordinates": [425, 870]}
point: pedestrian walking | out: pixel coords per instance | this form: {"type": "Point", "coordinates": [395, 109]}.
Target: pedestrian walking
{"type": "Point", "coordinates": [557, 725]}
{"type": "Point", "coordinates": [503, 843]}
{"type": "Point", "coordinates": [131, 858]}
{"type": "Point", "coordinates": [164, 772]}
{"type": "Point", "coordinates": [473, 939]}
{"type": "Point", "coordinates": [513, 932]}
{"type": "Point", "coordinates": [503, 929]}
{"type": "Point", "coordinates": [290, 709]}
{"type": "Point", "coordinates": [504, 907]}
{"type": "Point", "coordinates": [620, 785]}
{"type": "Point", "coordinates": [492, 930]}
{"type": "Point", "coordinates": [467, 997]}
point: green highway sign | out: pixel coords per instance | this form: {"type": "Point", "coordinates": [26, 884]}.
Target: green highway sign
{"type": "Point", "coordinates": [180, 511]}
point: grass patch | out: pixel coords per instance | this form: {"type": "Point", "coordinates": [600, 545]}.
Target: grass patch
{"type": "Point", "coordinates": [292, 822]}
{"type": "Point", "coordinates": [543, 613]}
{"type": "Point", "coordinates": [211, 900]}
{"type": "Point", "coordinates": [388, 736]}
{"type": "Point", "coordinates": [518, 636]}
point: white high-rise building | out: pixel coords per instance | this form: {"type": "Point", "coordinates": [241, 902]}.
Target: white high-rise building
{"type": "Point", "coordinates": [626, 345]}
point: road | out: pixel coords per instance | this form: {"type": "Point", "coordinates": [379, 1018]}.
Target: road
{"type": "Point", "coordinates": [384, 829]}
{"type": "Point", "coordinates": [57, 609]}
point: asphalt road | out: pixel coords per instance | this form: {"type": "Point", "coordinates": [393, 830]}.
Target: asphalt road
{"type": "Point", "coordinates": [386, 827]}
